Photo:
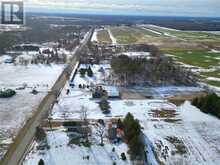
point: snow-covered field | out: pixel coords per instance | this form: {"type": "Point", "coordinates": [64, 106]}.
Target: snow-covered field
{"type": "Point", "coordinates": [61, 152]}
{"type": "Point", "coordinates": [8, 28]}
{"type": "Point", "coordinates": [94, 35]}
{"type": "Point", "coordinates": [180, 135]}
{"type": "Point", "coordinates": [153, 31]}
{"type": "Point", "coordinates": [213, 79]}
{"type": "Point", "coordinates": [165, 28]}
{"type": "Point", "coordinates": [187, 136]}
{"type": "Point", "coordinates": [174, 134]}
{"type": "Point", "coordinates": [16, 110]}
{"type": "Point", "coordinates": [192, 130]}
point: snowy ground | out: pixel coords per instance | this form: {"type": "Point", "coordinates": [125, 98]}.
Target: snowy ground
{"type": "Point", "coordinates": [193, 131]}
{"type": "Point", "coordinates": [40, 77]}
{"type": "Point", "coordinates": [94, 35]}
{"type": "Point", "coordinates": [188, 134]}
{"type": "Point", "coordinates": [175, 135]}
{"type": "Point", "coordinates": [188, 137]}
{"type": "Point", "coordinates": [98, 78]}
{"type": "Point", "coordinates": [213, 79]}
{"type": "Point", "coordinates": [61, 152]}
{"type": "Point", "coordinates": [96, 31]}
{"type": "Point", "coordinates": [163, 27]}
{"type": "Point", "coordinates": [114, 41]}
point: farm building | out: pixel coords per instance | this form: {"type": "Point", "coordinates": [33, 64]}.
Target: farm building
{"type": "Point", "coordinates": [112, 91]}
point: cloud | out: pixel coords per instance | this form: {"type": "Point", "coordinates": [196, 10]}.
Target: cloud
{"type": "Point", "coordinates": [141, 7]}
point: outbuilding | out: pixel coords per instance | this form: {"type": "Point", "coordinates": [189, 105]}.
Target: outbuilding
{"type": "Point", "coordinates": [112, 91]}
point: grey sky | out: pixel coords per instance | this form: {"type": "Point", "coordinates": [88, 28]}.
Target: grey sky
{"type": "Point", "coordinates": [131, 7]}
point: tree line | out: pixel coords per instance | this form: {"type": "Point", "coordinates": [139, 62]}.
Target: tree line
{"type": "Point", "coordinates": [155, 71]}
{"type": "Point", "coordinates": [208, 104]}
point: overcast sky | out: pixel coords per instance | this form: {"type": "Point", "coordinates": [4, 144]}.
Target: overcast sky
{"type": "Point", "coordinates": [129, 7]}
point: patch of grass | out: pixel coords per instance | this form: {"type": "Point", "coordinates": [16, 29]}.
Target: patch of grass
{"type": "Point", "coordinates": [79, 141]}
{"type": "Point", "coordinates": [145, 31]}
{"type": "Point", "coordinates": [214, 83]}
{"type": "Point", "coordinates": [103, 36]}
{"type": "Point", "coordinates": [211, 74]}
{"type": "Point", "coordinates": [191, 36]}
{"type": "Point", "coordinates": [172, 120]}
{"type": "Point", "coordinates": [177, 102]}
{"type": "Point", "coordinates": [163, 113]}
{"type": "Point", "coordinates": [127, 35]}
{"type": "Point", "coordinates": [196, 57]}
{"type": "Point", "coordinates": [71, 124]}
{"type": "Point", "coordinates": [123, 35]}
{"type": "Point", "coordinates": [75, 141]}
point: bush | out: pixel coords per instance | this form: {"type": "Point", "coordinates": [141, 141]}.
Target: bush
{"type": "Point", "coordinates": [123, 156]}
{"type": "Point", "coordinates": [208, 104]}
{"type": "Point", "coordinates": [40, 134]}
{"type": "Point", "coordinates": [75, 141]}
{"type": "Point", "coordinates": [104, 106]}
{"type": "Point", "coordinates": [7, 93]}
{"type": "Point", "coordinates": [71, 124]}
{"type": "Point", "coordinates": [34, 92]}
{"type": "Point", "coordinates": [86, 143]}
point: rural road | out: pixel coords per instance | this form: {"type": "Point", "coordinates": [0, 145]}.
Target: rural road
{"type": "Point", "coordinates": [18, 149]}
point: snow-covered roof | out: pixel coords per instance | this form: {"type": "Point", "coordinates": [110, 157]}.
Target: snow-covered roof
{"type": "Point", "coordinates": [136, 54]}
{"type": "Point", "coordinates": [112, 91]}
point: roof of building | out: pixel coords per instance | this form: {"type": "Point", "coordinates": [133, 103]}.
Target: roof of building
{"type": "Point", "coordinates": [112, 91]}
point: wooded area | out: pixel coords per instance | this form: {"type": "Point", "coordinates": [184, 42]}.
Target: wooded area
{"type": "Point", "coordinates": [153, 72]}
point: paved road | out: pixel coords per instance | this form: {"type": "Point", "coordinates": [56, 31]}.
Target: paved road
{"type": "Point", "coordinates": [25, 136]}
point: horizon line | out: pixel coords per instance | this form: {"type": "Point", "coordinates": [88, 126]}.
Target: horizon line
{"type": "Point", "coordinates": [119, 15]}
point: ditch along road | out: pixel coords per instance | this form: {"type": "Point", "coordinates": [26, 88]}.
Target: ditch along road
{"type": "Point", "coordinates": [21, 143]}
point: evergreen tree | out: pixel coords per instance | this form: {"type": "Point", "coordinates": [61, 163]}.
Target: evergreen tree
{"type": "Point", "coordinates": [132, 133]}
{"type": "Point", "coordinates": [82, 72]}
{"type": "Point", "coordinates": [135, 146]}
{"type": "Point", "coordinates": [41, 162]}
{"type": "Point", "coordinates": [123, 156]}
{"type": "Point", "coordinates": [208, 104]}
{"type": "Point", "coordinates": [104, 106]}
{"type": "Point", "coordinates": [89, 72]}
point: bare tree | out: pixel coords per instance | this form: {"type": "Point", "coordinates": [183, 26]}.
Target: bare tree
{"type": "Point", "coordinates": [83, 114]}
{"type": "Point", "coordinates": [83, 117]}
{"type": "Point", "coordinates": [100, 131]}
